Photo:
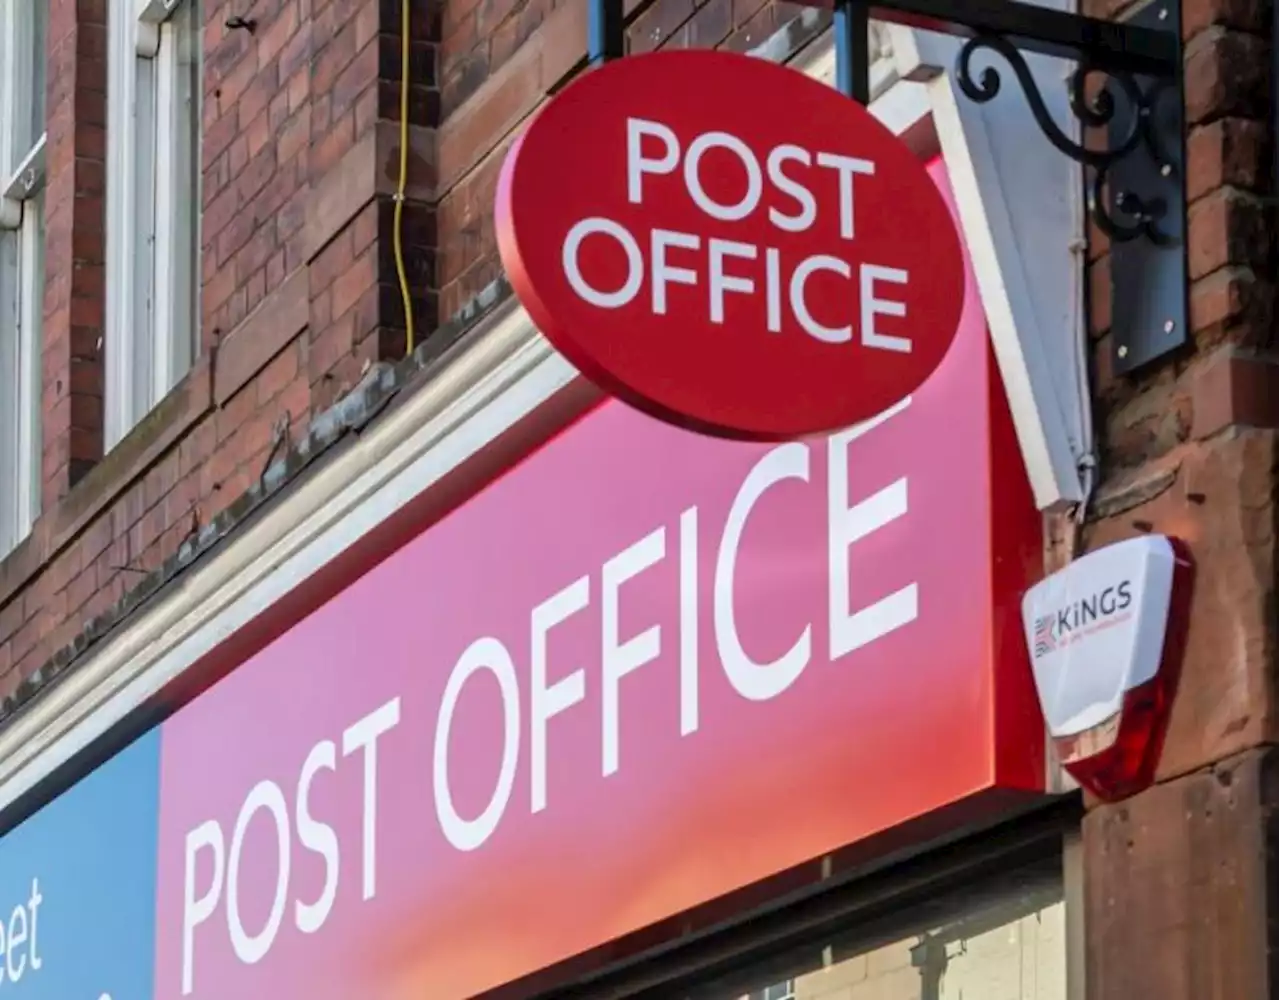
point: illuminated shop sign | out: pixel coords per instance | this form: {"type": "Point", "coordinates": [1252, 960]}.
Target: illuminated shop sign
{"type": "Point", "coordinates": [641, 670]}
{"type": "Point", "coordinates": [730, 245]}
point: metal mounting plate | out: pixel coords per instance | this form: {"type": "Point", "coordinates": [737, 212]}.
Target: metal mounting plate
{"type": "Point", "coordinates": [1149, 307]}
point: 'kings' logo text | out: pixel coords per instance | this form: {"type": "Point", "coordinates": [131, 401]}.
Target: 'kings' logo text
{"type": "Point", "coordinates": [1082, 617]}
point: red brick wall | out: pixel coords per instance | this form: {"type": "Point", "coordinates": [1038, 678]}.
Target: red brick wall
{"type": "Point", "coordinates": [499, 59]}
{"type": "Point", "coordinates": [301, 135]}
{"type": "Point", "coordinates": [74, 251]}
{"type": "Point", "coordinates": [1177, 878]}
{"type": "Point", "coordinates": [1207, 416]}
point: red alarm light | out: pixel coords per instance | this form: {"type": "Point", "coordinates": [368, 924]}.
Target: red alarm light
{"type": "Point", "coordinates": [1106, 636]}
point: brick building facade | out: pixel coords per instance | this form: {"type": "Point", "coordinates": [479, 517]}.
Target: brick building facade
{"type": "Point", "coordinates": [302, 338]}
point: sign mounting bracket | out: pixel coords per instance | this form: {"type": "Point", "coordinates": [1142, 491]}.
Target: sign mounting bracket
{"type": "Point", "coordinates": [1126, 92]}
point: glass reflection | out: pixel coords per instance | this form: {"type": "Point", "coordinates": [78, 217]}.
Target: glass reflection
{"type": "Point", "coordinates": [1009, 949]}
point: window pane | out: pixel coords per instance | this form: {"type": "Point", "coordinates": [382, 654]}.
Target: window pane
{"type": "Point", "coordinates": [1010, 946]}
{"type": "Point", "coordinates": [187, 135]}
{"type": "Point", "coordinates": [122, 263]}
{"type": "Point", "coordinates": [21, 309]}
{"type": "Point", "coordinates": [9, 404]}
{"type": "Point", "coordinates": [29, 362]}
{"type": "Point", "coordinates": [39, 33]}
{"type": "Point", "coordinates": [143, 251]}
{"type": "Point", "coordinates": [22, 66]}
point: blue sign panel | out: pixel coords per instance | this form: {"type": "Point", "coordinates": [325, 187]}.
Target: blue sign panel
{"type": "Point", "coordinates": [77, 887]}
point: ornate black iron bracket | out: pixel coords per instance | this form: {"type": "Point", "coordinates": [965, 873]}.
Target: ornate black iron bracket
{"type": "Point", "coordinates": [1144, 215]}
{"type": "Point", "coordinates": [1126, 98]}
{"type": "Point", "coordinates": [1132, 152]}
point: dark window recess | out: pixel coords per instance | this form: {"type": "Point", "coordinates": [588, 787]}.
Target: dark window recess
{"type": "Point", "coordinates": [1007, 945]}
{"type": "Point", "coordinates": [971, 921]}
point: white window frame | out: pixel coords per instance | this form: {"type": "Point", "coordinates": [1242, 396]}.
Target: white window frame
{"type": "Point", "coordinates": [22, 177]}
{"type": "Point", "coordinates": [153, 207]}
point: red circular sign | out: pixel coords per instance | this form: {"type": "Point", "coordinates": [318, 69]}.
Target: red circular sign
{"type": "Point", "coordinates": [730, 245]}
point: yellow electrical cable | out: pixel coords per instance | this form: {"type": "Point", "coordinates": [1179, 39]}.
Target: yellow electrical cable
{"type": "Point", "coordinates": [396, 238]}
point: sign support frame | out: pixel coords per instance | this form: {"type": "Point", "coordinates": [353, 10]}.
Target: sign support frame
{"type": "Point", "coordinates": [1133, 149]}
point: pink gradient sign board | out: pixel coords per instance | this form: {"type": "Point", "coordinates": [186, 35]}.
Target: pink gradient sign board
{"type": "Point", "coordinates": [642, 669]}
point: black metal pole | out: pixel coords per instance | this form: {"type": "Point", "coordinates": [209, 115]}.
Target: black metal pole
{"type": "Point", "coordinates": [1275, 96]}
{"type": "Point", "coordinates": [606, 33]}
{"type": "Point", "coordinates": [1275, 138]}
{"type": "Point", "coordinates": [1108, 46]}
{"type": "Point", "coordinates": [852, 29]}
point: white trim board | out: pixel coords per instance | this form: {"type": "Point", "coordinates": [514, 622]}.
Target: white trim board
{"type": "Point", "coordinates": [1020, 207]}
